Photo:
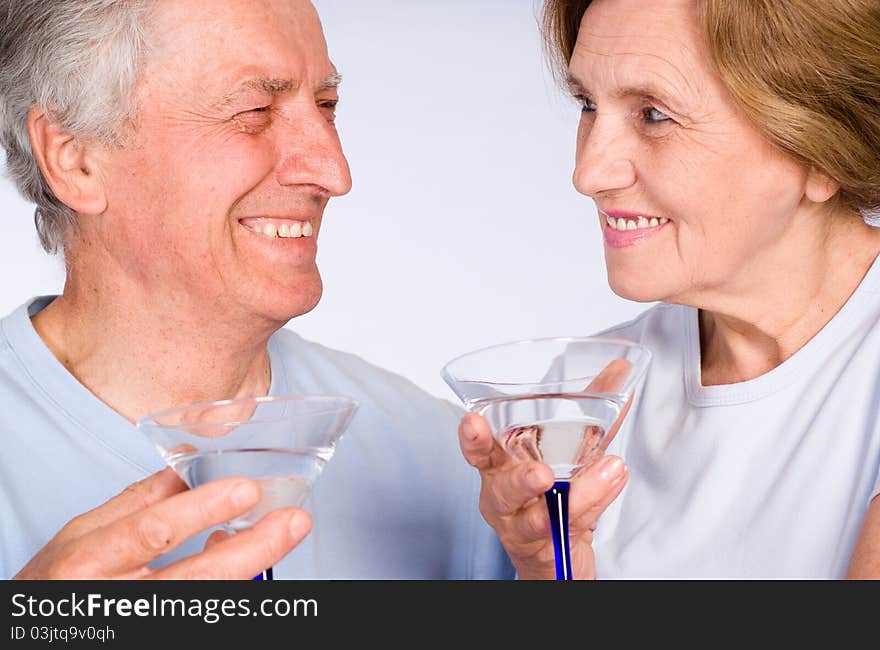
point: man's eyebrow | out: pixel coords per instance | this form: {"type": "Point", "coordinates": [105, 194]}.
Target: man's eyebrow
{"type": "Point", "coordinates": [278, 85]}
{"type": "Point", "coordinates": [331, 81]}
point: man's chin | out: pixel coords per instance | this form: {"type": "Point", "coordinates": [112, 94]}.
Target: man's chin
{"type": "Point", "coordinates": [280, 303]}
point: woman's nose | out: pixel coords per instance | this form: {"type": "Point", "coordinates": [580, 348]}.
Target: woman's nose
{"type": "Point", "coordinates": [604, 158]}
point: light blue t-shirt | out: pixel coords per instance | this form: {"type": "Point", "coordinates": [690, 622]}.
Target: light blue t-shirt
{"type": "Point", "coordinates": [397, 501]}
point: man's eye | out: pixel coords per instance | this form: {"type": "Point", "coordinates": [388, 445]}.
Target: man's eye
{"type": "Point", "coordinates": [253, 120]}
{"type": "Point", "coordinates": [328, 107]}
{"type": "Point", "coordinates": [253, 113]}
{"type": "Point", "coordinates": [654, 116]}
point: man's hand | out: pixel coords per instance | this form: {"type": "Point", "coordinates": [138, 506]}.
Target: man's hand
{"type": "Point", "coordinates": [512, 493]}
{"type": "Point", "coordinates": [121, 537]}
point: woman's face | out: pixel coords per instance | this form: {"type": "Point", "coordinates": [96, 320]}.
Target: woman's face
{"type": "Point", "coordinates": [694, 203]}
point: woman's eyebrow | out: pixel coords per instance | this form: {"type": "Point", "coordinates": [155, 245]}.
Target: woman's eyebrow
{"type": "Point", "coordinates": [636, 90]}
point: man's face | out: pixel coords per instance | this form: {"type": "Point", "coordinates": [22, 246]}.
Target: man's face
{"type": "Point", "coordinates": [217, 197]}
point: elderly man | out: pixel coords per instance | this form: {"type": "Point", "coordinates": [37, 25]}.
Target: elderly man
{"type": "Point", "coordinates": [181, 154]}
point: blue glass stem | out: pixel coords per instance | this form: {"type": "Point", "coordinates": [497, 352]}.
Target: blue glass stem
{"type": "Point", "coordinates": [265, 575]}
{"type": "Point", "coordinates": [557, 506]}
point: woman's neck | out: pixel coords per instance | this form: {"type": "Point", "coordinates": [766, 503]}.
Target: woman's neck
{"type": "Point", "coordinates": [775, 311]}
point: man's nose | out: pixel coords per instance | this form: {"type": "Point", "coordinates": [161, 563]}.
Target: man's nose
{"type": "Point", "coordinates": [311, 153]}
{"type": "Point", "coordinates": [605, 158]}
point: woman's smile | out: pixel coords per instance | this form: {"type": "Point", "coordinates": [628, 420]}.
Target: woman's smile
{"type": "Point", "coordinates": [622, 229]}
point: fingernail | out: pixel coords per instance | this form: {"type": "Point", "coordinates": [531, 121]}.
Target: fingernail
{"type": "Point", "coordinates": [244, 494]}
{"type": "Point", "coordinates": [611, 468]}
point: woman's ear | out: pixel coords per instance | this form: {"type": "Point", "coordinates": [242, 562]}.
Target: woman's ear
{"type": "Point", "coordinates": [69, 169]}
{"type": "Point", "coordinates": [820, 186]}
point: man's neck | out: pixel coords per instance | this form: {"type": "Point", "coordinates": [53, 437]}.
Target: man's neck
{"type": "Point", "coordinates": [139, 360]}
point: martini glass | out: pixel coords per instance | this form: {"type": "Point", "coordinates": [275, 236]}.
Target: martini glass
{"type": "Point", "coordinates": [553, 400]}
{"type": "Point", "coordinates": [282, 442]}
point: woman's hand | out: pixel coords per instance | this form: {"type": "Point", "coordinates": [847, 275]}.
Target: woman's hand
{"type": "Point", "coordinates": [512, 502]}
{"type": "Point", "coordinates": [512, 493]}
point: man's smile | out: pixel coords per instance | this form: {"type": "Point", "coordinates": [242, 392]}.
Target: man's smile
{"type": "Point", "coordinates": [278, 227]}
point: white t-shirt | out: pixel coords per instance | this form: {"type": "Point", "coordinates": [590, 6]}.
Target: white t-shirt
{"type": "Point", "coordinates": [397, 501]}
{"type": "Point", "coordinates": [766, 478]}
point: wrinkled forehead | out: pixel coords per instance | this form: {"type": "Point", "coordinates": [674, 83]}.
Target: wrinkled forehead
{"type": "Point", "coordinates": [623, 42]}
{"type": "Point", "coordinates": [209, 36]}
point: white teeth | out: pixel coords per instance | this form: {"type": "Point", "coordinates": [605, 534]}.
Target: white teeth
{"type": "Point", "coordinates": [288, 230]}
{"type": "Point", "coordinates": [636, 223]}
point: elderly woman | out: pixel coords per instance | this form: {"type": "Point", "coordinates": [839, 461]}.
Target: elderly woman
{"type": "Point", "coordinates": [732, 151]}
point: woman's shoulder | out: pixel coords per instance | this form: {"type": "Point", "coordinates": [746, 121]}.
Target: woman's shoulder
{"type": "Point", "coordinates": [660, 318]}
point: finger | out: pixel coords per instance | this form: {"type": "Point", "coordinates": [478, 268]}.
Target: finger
{"type": "Point", "coordinates": [611, 380]}
{"type": "Point", "coordinates": [594, 490]}
{"type": "Point", "coordinates": [612, 432]}
{"type": "Point", "coordinates": [216, 537]}
{"type": "Point", "coordinates": [612, 377]}
{"type": "Point", "coordinates": [478, 445]}
{"type": "Point", "coordinates": [513, 489]}
{"type": "Point", "coordinates": [527, 530]}
{"type": "Point", "coordinates": [246, 553]}
{"type": "Point", "coordinates": [137, 496]}
{"type": "Point", "coordinates": [133, 541]}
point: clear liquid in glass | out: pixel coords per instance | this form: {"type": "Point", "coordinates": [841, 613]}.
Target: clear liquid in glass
{"type": "Point", "coordinates": [562, 430]}
{"type": "Point", "coordinates": [285, 476]}
{"type": "Point", "coordinates": [567, 446]}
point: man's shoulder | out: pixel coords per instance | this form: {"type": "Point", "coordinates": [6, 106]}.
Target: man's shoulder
{"type": "Point", "coordinates": [312, 365]}
{"type": "Point", "coordinates": [11, 364]}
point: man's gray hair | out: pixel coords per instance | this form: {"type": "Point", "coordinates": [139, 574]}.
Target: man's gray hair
{"type": "Point", "coordinates": [79, 61]}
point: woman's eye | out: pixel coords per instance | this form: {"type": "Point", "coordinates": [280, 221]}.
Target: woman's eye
{"type": "Point", "coordinates": [654, 116]}
{"type": "Point", "coordinates": [587, 104]}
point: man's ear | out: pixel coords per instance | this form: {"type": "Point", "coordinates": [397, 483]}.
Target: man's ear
{"type": "Point", "coordinates": [820, 186]}
{"type": "Point", "coordinates": [68, 168]}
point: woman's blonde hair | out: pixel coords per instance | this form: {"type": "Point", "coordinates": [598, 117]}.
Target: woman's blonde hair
{"type": "Point", "coordinates": [805, 72]}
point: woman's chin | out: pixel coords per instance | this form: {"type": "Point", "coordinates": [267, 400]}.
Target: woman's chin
{"type": "Point", "coordinates": [636, 289]}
